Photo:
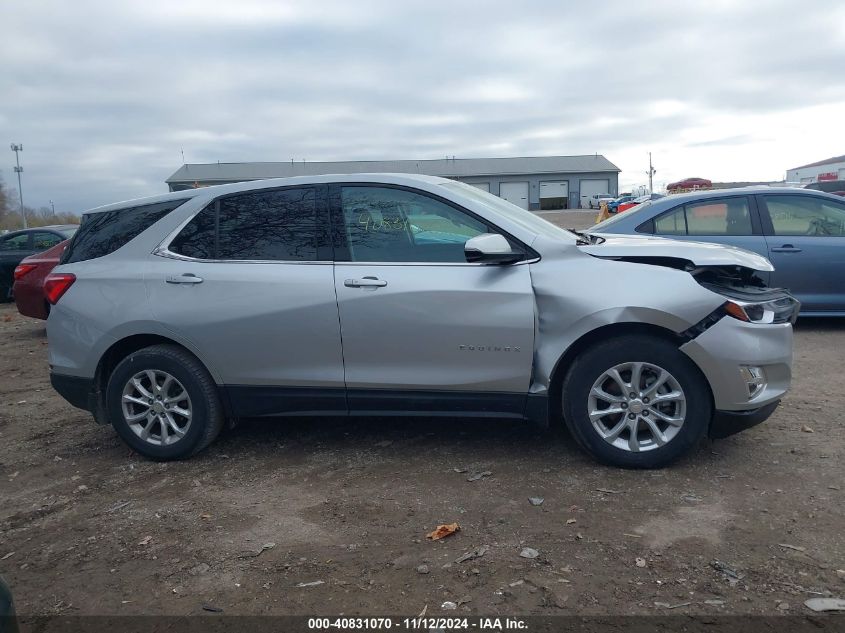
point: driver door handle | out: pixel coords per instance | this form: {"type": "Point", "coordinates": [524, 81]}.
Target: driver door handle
{"type": "Point", "coordinates": [786, 248]}
{"type": "Point", "coordinates": [187, 278]}
{"type": "Point", "coordinates": [365, 282]}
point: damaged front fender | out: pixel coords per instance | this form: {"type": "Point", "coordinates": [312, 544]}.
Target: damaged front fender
{"type": "Point", "coordinates": [577, 294]}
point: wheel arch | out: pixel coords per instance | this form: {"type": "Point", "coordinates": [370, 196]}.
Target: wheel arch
{"type": "Point", "coordinates": [603, 333]}
{"type": "Point", "coordinates": [119, 350]}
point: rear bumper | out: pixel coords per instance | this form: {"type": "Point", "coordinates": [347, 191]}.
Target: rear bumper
{"type": "Point", "coordinates": [74, 389]}
{"type": "Point", "coordinates": [30, 300]}
{"type": "Point", "coordinates": [726, 423]}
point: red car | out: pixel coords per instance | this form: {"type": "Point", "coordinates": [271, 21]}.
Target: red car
{"type": "Point", "coordinates": [29, 281]}
{"type": "Point", "coordinates": [689, 183]}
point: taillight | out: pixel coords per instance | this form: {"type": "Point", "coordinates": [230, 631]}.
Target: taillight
{"type": "Point", "coordinates": [56, 284]}
{"type": "Point", "coordinates": [23, 269]}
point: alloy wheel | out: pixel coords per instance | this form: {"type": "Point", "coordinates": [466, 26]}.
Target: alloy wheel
{"type": "Point", "coordinates": [157, 407]}
{"type": "Point", "coordinates": [637, 406]}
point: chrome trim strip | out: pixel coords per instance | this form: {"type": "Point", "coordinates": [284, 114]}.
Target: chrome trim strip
{"type": "Point", "coordinates": [164, 252]}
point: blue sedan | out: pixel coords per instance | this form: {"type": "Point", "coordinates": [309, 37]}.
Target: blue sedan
{"type": "Point", "coordinates": [613, 205]}
{"type": "Point", "coordinates": [802, 232]}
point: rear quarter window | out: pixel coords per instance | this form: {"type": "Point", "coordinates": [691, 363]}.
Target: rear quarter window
{"type": "Point", "coordinates": [100, 234]}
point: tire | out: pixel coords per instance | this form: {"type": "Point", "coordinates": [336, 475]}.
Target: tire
{"type": "Point", "coordinates": [132, 378]}
{"type": "Point", "coordinates": [680, 422]}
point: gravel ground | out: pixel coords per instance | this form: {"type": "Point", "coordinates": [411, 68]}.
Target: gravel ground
{"type": "Point", "coordinates": [752, 524]}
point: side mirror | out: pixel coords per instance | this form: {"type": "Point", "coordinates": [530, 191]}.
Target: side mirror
{"type": "Point", "coordinates": [490, 248]}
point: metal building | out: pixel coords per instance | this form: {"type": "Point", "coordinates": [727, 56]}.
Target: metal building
{"type": "Point", "coordinates": [828, 169]}
{"type": "Point", "coordinates": [541, 182]}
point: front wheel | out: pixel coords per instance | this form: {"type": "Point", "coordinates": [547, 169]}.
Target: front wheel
{"type": "Point", "coordinates": [636, 402]}
{"type": "Point", "coordinates": [163, 403]}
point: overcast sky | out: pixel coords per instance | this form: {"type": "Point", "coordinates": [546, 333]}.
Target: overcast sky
{"type": "Point", "coordinates": [106, 95]}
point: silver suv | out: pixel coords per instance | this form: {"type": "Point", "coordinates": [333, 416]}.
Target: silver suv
{"type": "Point", "coordinates": [381, 294]}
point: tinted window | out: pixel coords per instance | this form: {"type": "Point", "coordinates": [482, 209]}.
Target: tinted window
{"type": "Point", "coordinates": [41, 240]}
{"type": "Point", "coordinates": [717, 217]}
{"type": "Point", "coordinates": [393, 225]}
{"type": "Point", "coordinates": [673, 223]}
{"type": "Point", "coordinates": [103, 233]}
{"type": "Point", "coordinates": [15, 242]}
{"type": "Point", "coordinates": [268, 225]}
{"type": "Point", "coordinates": [198, 238]}
{"type": "Point", "coordinates": [806, 215]}
{"type": "Point", "coordinates": [720, 217]}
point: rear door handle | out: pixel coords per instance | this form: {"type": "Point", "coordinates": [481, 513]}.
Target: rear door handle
{"type": "Point", "coordinates": [187, 278]}
{"type": "Point", "coordinates": [365, 282]}
{"type": "Point", "coordinates": [786, 248]}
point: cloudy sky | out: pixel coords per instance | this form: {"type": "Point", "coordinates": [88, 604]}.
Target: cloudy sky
{"type": "Point", "coordinates": [106, 95]}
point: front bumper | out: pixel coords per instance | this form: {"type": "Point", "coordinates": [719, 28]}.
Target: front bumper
{"type": "Point", "coordinates": [730, 344]}
{"type": "Point", "coordinates": [727, 423]}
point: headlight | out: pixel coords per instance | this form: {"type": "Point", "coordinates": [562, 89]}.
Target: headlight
{"type": "Point", "coordinates": [783, 309]}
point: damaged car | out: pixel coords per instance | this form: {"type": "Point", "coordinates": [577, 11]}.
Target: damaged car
{"type": "Point", "coordinates": [407, 295]}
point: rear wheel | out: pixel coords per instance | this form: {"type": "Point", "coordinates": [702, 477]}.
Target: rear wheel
{"type": "Point", "coordinates": [636, 402]}
{"type": "Point", "coordinates": [164, 403]}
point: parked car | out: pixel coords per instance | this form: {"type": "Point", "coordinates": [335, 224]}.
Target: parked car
{"type": "Point", "coordinates": [836, 187]}
{"type": "Point", "coordinates": [630, 204]}
{"type": "Point", "coordinates": [613, 205]}
{"type": "Point", "coordinates": [28, 288]}
{"type": "Point", "coordinates": [173, 313]}
{"type": "Point", "coordinates": [689, 183]}
{"type": "Point", "coordinates": [801, 231]}
{"type": "Point", "coordinates": [16, 245]}
{"type": "Point", "coordinates": [596, 199]}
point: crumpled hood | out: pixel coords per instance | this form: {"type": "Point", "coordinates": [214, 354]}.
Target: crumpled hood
{"type": "Point", "coordinates": [699, 253]}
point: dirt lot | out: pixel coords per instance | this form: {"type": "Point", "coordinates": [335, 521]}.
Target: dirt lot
{"type": "Point", "coordinates": [752, 524]}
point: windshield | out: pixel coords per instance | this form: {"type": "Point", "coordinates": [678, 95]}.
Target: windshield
{"type": "Point", "coordinates": [523, 217]}
{"type": "Point", "coordinates": [625, 214]}
{"type": "Point", "coordinates": [68, 232]}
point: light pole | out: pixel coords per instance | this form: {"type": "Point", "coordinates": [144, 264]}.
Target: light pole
{"type": "Point", "coordinates": [651, 171]}
{"type": "Point", "coordinates": [18, 169]}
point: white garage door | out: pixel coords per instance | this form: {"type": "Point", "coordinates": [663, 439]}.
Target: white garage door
{"type": "Point", "coordinates": [484, 186]}
{"type": "Point", "coordinates": [554, 189]}
{"type": "Point", "coordinates": [515, 193]}
{"type": "Point", "coordinates": [591, 187]}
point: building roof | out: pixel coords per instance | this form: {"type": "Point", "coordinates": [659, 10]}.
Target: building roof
{"type": "Point", "coordinates": [446, 167]}
{"type": "Point", "coordinates": [826, 161]}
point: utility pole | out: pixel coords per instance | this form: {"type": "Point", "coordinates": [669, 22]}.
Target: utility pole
{"type": "Point", "coordinates": [19, 148]}
{"type": "Point", "coordinates": [651, 171]}
{"type": "Point", "coordinates": [53, 207]}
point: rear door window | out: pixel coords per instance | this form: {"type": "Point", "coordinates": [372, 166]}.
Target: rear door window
{"type": "Point", "coordinates": [730, 216]}
{"type": "Point", "coordinates": [277, 225]}
{"type": "Point", "coordinates": [724, 216]}
{"type": "Point", "coordinates": [103, 233]}
{"type": "Point", "coordinates": [42, 240]}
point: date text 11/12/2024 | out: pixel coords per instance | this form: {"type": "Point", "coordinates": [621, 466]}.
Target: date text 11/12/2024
{"type": "Point", "coordinates": [419, 624]}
